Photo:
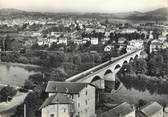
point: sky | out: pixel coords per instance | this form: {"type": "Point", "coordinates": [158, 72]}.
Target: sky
{"type": "Point", "coordinates": [106, 6]}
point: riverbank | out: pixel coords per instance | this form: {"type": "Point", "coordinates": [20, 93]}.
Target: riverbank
{"type": "Point", "coordinates": [143, 82]}
{"type": "Point", "coordinates": [20, 64]}
{"type": "Point", "coordinates": [15, 74]}
{"type": "Point", "coordinates": [8, 108]}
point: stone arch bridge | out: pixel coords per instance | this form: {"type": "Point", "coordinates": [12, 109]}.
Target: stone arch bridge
{"type": "Point", "coordinates": [99, 74]}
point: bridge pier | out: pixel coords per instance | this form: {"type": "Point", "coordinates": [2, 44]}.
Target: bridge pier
{"type": "Point", "coordinates": [109, 82]}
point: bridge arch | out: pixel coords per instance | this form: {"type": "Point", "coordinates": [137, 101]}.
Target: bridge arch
{"type": "Point", "coordinates": [98, 82]}
{"type": "Point", "coordinates": [117, 66]}
{"type": "Point", "coordinates": [125, 62]}
{"type": "Point", "coordinates": [131, 59]}
{"type": "Point", "coordinates": [136, 56]}
{"type": "Point", "coordinates": [95, 78]}
{"type": "Point", "coordinates": [108, 71]}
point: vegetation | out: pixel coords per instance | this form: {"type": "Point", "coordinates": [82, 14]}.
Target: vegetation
{"type": "Point", "coordinates": [147, 74]}
{"type": "Point", "coordinates": [7, 93]}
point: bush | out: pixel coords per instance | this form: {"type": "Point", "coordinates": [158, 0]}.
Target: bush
{"type": "Point", "coordinates": [23, 59]}
{"type": "Point", "coordinates": [7, 93]}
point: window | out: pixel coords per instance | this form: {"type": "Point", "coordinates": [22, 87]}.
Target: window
{"type": "Point", "coordinates": [64, 110]}
{"type": "Point", "coordinates": [78, 104]}
{"type": "Point", "coordinates": [86, 102]}
{"type": "Point", "coordinates": [86, 92]}
{"type": "Point", "coordinates": [52, 115]}
{"type": "Point", "coordinates": [78, 95]}
{"type": "Point", "coordinates": [86, 110]}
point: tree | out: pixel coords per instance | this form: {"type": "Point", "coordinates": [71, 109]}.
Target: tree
{"type": "Point", "coordinates": [7, 92]}
{"type": "Point", "coordinates": [77, 60]}
{"type": "Point", "coordinates": [126, 69]}
{"type": "Point", "coordinates": [56, 59]}
{"type": "Point", "coordinates": [141, 103]}
{"type": "Point", "coordinates": [33, 101]}
{"type": "Point", "coordinates": [29, 84]}
{"type": "Point", "coordinates": [155, 65]}
{"type": "Point", "coordinates": [140, 66]}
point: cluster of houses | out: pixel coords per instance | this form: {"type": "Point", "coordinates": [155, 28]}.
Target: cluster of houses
{"type": "Point", "coordinates": [157, 44]}
{"type": "Point", "coordinates": [87, 27]}
{"type": "Point", "coordinates": [71, 99]}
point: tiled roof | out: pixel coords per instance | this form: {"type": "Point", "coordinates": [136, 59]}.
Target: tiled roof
{"type": "Point", "coordinates": [65, 87]}
{"type": "Point", "coordinates": [151, 109]}
{"type": "Point", "coordinates": [56, 99]}
{"type": "Point", "coordinates": [120, 110]}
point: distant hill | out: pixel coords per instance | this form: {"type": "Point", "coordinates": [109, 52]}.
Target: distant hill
{"type": "Point", "coordinates": [10, 12]}
{"type": "Point", "coordinates": [158, 14]}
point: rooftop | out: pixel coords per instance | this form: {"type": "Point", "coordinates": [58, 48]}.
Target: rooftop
{"type": "Point", "coordinates": [151, 109]}
{"type": "Point", "coordinates": [65, 87]}
{"type": "Point", "coordinates": [120, 110]}
{"type": "Point", "coordinates": [56, 99]}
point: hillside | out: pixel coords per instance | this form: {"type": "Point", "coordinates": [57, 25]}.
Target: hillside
{"type": "Point", "coordinates": [158, 14]}
{"type": "Point", "coordinates": [161, 12]}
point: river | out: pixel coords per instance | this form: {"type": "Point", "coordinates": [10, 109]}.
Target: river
{"type": "Point", "coordinates": [133, 95]}
{"type": "Point", "coordinates": [16, 74]}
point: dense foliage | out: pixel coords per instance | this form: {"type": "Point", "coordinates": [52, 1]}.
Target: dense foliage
{"type": "Point", "coordinates": [147, 74]}
{"type": "Point", "coordinates": [7, 93]}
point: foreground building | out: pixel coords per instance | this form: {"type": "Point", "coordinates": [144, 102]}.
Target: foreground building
{"type": "Point", "coordinates": [67, 99]}
{"type": "Point", "coordinates": [153, 109]}
{"type": "Point", "coordinates": [122, 110]}
{"type": "Point", "coordinates": [58, 105]}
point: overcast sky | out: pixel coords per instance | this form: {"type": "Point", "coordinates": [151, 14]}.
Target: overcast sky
{"type": "Point", "coordinates": [108, 6]}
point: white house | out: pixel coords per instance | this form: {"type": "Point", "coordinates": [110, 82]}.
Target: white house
{"type": "Point", "coordinates": [94, 41]}
{"type": "Point", "coordinates": [62, 41]}
{"type": "Point", "coordinates": [79, 100]}
{"type": "Point", "coordinates": [134, 44]}
{"type": "Point", "coordinates": [128, 30]}
{"type": "Point", "coordinates": [151, 35]}
{"type": "Point", "coordinates": [162, 38]}
{"type": "Point", "coordinates": [155, 45]}
{"type": "Point", "coordinates": [36, 34]}
{"type": "Point", "coordinates": [78, 41]}
{"type": "Point", "coordinates": [100, 30]}
{"type": "Point", "coordinates": [52, 39]}
{"type": "Point", "coordinates": [85, 40]}
{"type": "Point", "coordinates": [108, 48]}
{"type": "Point", "coordinates": [107, 34]}
{"type": "Point", "coordinates": [56, 34]}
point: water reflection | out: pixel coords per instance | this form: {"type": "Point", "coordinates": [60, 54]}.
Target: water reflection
{"type": "Point", "coordinates": [133, 91]}
{"type": "Point", "coordinates": [15, 74]}
{"type": "Point", "coordinates": [153, 86]}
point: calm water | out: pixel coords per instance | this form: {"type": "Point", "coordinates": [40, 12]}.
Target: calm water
{"type": "Point", "coordinates": [132, 95]}
{"type": "Point", "coordinates": [15, 74]}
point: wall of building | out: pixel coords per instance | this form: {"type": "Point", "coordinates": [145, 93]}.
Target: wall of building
{"type": "Point", "coordinates": [158, 114]}
{"type": "Point", "coordinates": [85, 102]}
{"type": "Point", "coordinates": [132, 114]}
{"type": "Point", "coordinates": [59, 110]}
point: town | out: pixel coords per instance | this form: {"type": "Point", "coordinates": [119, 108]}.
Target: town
{"type": "Point", "coordinates": [73, 65]}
